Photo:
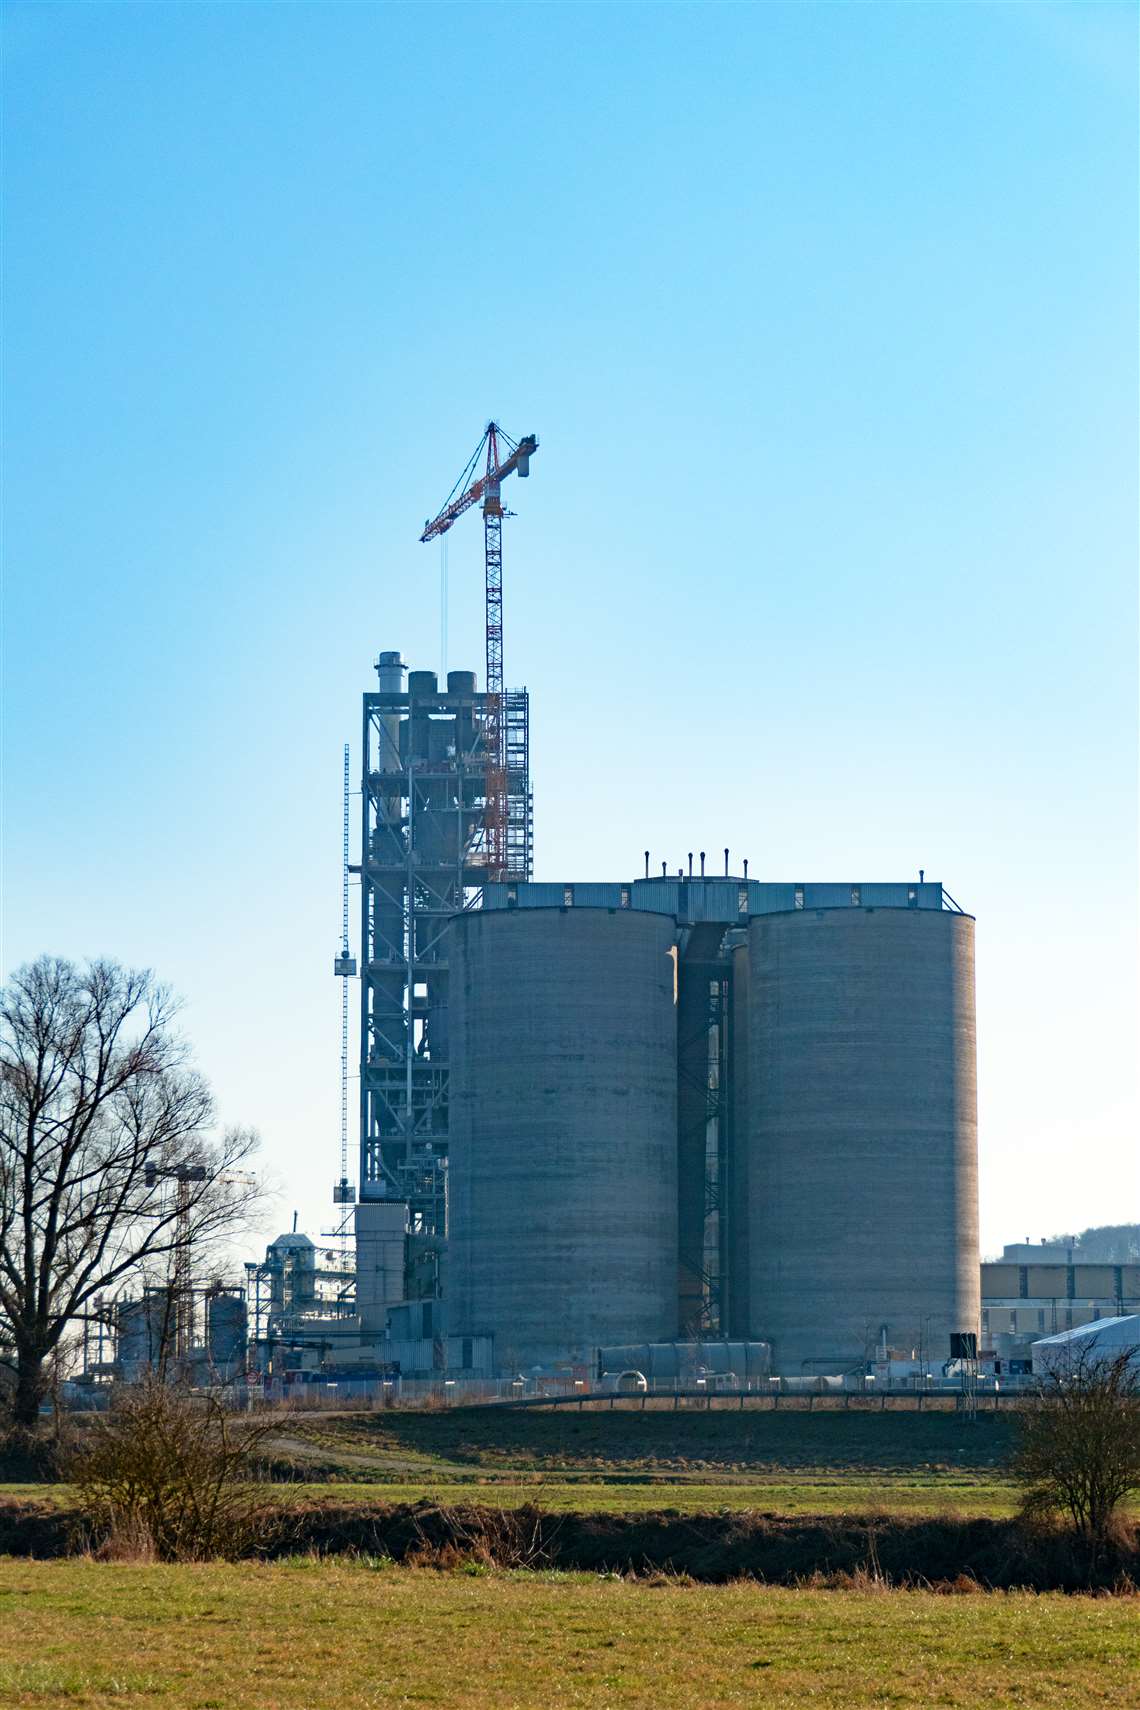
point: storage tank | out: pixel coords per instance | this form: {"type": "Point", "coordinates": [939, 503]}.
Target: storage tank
{"type": "Point", "coordinates": [563, 1124]}
{"type": "Point", "coordinates": [144, 1328]}
{"type": "Point", "coordinates": [861, 1134]}
{"type": "Point", "coordinates": [226, 1331]}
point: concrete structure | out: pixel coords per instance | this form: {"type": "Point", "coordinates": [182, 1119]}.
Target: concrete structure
{"type": "Point", "coordinates": [227, 1332]}
{"type": "Point", "coordinates": [1038, 1252]}
{"type": "Point", "coordinates": [144, 1332]}
{"type": "Point", "coordinates": [826, 1144]}
{"type": "Point", "coordinates": [862, 1133]}
{"type": "Point", "coordinates": [380, 1229]}
{"type": "Point", "coordinates": [687, 1363]}
{"type": "Point", "coordinates": [563, 1131]}
{"type": "Point", "coordinates": [1043, 1299]}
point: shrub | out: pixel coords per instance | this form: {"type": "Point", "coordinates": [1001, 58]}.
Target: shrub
{"type": "Point", "coordinates": [165, 1474]}
{"type": "Point", "coordinates": [1078, 1449]}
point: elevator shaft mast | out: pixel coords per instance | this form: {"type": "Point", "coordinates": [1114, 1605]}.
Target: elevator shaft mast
{"type": "Point", "coordinates": [500, 456]}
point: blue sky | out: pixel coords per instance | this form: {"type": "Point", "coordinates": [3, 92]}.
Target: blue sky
{"type": "Point", "coordinates": [826, 318]}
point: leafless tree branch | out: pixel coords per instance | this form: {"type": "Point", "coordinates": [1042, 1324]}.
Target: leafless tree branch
{"type": "Point", "coordinates": [100, 1110]}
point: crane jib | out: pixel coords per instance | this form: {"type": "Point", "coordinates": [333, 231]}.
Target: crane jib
{"type": "Point", "coordinates": [519, 461]}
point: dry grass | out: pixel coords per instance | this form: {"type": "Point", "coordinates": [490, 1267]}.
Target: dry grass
{"type": "Point", "coordinates": [659, 1440]}
{"type": "Point", "coordinates": [325, 1636]}
{"type": "Point", "coordinates": [627, 1461]}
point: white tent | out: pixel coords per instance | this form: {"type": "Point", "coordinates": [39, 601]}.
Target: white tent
{"type": "Point", "coordinates": [1103, 1339]}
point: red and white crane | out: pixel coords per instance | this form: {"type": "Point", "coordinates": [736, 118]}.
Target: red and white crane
{"type": "Point", "coordinates": [500, 456]}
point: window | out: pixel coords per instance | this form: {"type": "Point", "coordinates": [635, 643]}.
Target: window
{"type": "Point", "coordinates": [912, 896]}
{"type": "Point", "coordinates": [856, 896]}
{"type": "Point", "coordinates": [798, 896]}
{"type": "Point", "coordinates": [568, 896]}
{"type": "Point", "coordinates": [512, 896]}
{"type": "Point", "coordinates": [742, 900]}
{"type": "Point", "coordinates": [623, 896]}
{"type": "Point", "coordinates": [1013, 1321]}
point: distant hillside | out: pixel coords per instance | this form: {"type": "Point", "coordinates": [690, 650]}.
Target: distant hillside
{"type": "Point", "coordinates": [1107, 1244]}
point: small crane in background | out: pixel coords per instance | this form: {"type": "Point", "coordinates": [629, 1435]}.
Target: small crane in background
{"type": "Point", "coordinates": [501, 456]}
{"type": "Point", "coordinates": [181, 1279]}
{"type": "Point", "coordinates": [181, 1296]}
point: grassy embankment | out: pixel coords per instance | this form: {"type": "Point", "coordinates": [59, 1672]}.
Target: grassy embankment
{"type": "Point", "coordinates": [313, 1635]}
{"type": "Point", "coordinates": [790, 1462]}
{"type": "Point", "coordinates": [787, 1462]}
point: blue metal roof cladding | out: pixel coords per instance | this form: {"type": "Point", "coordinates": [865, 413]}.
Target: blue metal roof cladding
{"type": "Point", "coordinates": [699, 899]}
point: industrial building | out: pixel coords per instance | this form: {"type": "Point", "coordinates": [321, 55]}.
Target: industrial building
{"type": "Point", "coordinates": [683, 1110]}
{"type": "Point", "coordinates": [676, 1109]}
{"type": "Point", "coordinates": [1044, 1299]}
{"type": "Point", "coordinates": [713, 1107]}
{"type": "Point", "coordinates": [711, 1117]}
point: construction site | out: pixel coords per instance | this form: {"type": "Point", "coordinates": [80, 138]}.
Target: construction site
{"type": "Point", "coordinates": [693, 1120]}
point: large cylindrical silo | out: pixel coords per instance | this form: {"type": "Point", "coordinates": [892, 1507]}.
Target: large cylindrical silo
{"type": "Point", "coordinates": [861, 1134]}
{"type": "Point", "coordinates": [563, 1131]}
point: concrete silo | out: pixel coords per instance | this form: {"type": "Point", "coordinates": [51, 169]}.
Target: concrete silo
{"type": "Point", "coordinates": [227, 1332]}
{"type": "Point", "coordinates": [563, 1173]}
{"type": "Point", "coordinates": [861, 1133]}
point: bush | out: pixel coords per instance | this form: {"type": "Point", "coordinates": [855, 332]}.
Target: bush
{"type": "Point", "coordinates": [165, 1474]}
{"type": "Point", "coordinates": [1078, 1450]}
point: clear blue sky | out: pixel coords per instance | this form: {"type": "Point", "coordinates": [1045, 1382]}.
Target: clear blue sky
{"type": "Point", "coordinates": [826, 316]}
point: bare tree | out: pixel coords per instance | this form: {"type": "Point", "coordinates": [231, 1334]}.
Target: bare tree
{"type": "Point", "coordinates": [101, 1112]}
{"type": "Point", "coordinates": [1078, 1449]}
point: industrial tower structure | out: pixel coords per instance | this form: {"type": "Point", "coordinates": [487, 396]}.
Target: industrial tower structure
{"type": "Point", "coordinates": [447, 808]}
{"type": "Point", "coordinates": [423, 859]}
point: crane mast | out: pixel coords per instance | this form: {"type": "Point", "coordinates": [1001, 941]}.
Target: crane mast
{"type": "Point", "coordinates": [501, 457]}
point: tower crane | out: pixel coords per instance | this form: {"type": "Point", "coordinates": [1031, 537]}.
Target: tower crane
{"type": "Point", "coordinates": [500, 456]}
{"type": "Point", "coordinates": [185, 1176]}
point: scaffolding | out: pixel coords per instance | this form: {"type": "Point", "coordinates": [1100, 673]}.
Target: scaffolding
{"type": "Point", "coordinates": [425, 855]}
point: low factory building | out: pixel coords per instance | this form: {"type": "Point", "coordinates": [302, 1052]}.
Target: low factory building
{"type": "Point", "coordinates": [1029, 1301]}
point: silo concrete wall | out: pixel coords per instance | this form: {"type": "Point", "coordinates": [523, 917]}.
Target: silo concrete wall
{"type": "Point", "coordinates": [861, 1135]}
{"type": "Point", "coordinates": [563, 1131]}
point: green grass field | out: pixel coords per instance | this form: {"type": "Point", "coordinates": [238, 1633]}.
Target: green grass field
{"type": "Point", "coordinates": [792, 1462]}
{"type": "Point", "coordinates": [629, 1461]}
{"type": "Point", "coordinates": [313, 1635]}
{"type": "Point", "coordinates": [835, 1495]}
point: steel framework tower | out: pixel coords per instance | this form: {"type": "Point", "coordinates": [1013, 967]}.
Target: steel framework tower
{"type": "Point", "coordinates": [424, 858]}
